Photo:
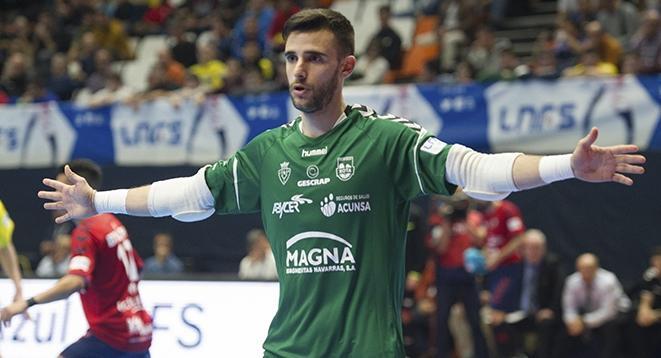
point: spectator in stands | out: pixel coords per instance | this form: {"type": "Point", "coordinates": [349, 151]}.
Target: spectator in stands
{"type": "Point", "coordinates": [567, 44]}
{"type": "Point", "coordinates": [210, 70]}
{"type": "Point", "coordinates": [253, 81]}
{"type": "Point", "coordinates": [102, 69]}
{"type": "Point", "coordinates": [110, 34]}
{"type": "Point", "coordinates": [417, 313]}
{"type": "Point", "coordinates": [183, 49]}
{"type": "Point", "coordinates": [449, 236]}
{"type": "Point", "coordinates": [371, 67]}
{"type": "Point", "coordinates": [575, 10]}
{"type": "Point", "coordinates": [283, 10]}
{"type": "Point", "coordinates": [539, 306]}
{"type": "Point", "coordinates": [43, 42]}
{"type": "Point", "coordinates": [590, 65]}
{"type": "Point", "coordinates": [430, 73]}
{"type": "Point", "coordinates": [83, 52]}
{"type": "Point", "coordinates": [259, 264]}
{"type": "Point", "coordinates": [220, 36]}
{"type": "Point", "coordinates": [648, 317]}
{"type": "Point", "coordinates": [484, 53]}
{"type": "Point", "coordinates": [175, 72]}
{"type": "Point", "coordinates": [464, 74]}
{"type": "Point", "coordinates": [388, 39]}
{"type": "Point", "coordinates": [19, 35]}
{"type": "Point", "coordinates": [59, 80]}
{"type": "Point", "coordinates": [457, 25]}
{"type": "Point", "coordinates": [253, 25]}
{"type": "Point", "coordinates": [510, 67]}
{"type": "Point", "coordinates": [15, 75]}
{"type": "Point", "coordinates": [646, 43]}
{"type": "Point", "coordinates": [36, 92]}
{"type": "Point", "coordinates": [57, 263]}
{"type": "Point", "coordinates": [157, 86]}
{"type": "Point", "coordinates": [592, 302]}
{"type": "Point", "coordinates": [164, 260]}
{"type": "Point", "coordinates": [233, 81]}
{"type": "Point", "coordinates": [252, 57]}
{"type": "Point", "coordinates": [114, 91]}
{"type": "Point", "coordinates": [630, 64]}
{"type": "Point", "coordinates": [606, 46]}
{"type": "Point", "coordinates": [619, 19]}
{"type": "Point", "coordinates": [545, 66]}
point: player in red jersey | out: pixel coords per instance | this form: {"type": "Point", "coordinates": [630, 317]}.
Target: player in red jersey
{"type": "Point", "coordinates": [504, 235]}
{"type": "Point", "coordinates": [105, 269]}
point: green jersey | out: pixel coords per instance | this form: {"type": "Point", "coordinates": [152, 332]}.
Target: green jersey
{"type": "Point", "coordinates": [335, 209]}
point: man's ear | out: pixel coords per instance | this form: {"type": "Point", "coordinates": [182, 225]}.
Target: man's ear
{"type": "Point", "coordinates": [348, 66]}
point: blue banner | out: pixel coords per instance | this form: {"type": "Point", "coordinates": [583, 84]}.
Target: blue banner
{"type": "Point", "coordinates": [529, 116]}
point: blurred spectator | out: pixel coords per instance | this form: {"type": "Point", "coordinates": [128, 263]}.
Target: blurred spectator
{"type": "Point", "coordinates": [429, 73]}
{"type": "Point", "coordinates": [510, 68]}
{"type": "Point", "coordinates": [220, 36]}
{"type": "Point", "coordinates": [83, 51]}
{"type": "Point", "coordinates": [630, 64]}
{"type": "Point", "coordinates": [619, 19]}
{"type": "Point", "coordinates": [539, 306]}
{"type": "Point", "coordinates": [586, 12]}
{"type": "Point", "coordinates": [102, 69]}
{"type": "Point", "coordinates": [114, 91]}
{"type": "Point", "coordinates": [36, 92]}
{"type": "Point", "coordinates": [252, 57]}
{"type": "Point", "coordinates": [390, 43]}
{"type": "Point", "coordinates": [484, 53]}
{"type": "Point", "coordinates": [233, 81]}
{"type": "Point", "coordinates": [15, 75]}
{"type": "Point", "coordinates": [567, 45]}
{"type": "Point", "coordinates": [464, 74]}
{"type": "Point", "coordinates": [156, 15]}
{"type": "Point", "coordinates": [253, 81]}
{"type": "Point", "coordinates": [504, 235]}
{"type": "Point", "coordinates": [457, 24]}
{"type": "Point", "coordinates": [592, 301]}
{"type": "Point", "coordinates": [259, 264]}
{"type": "Point", "coordinates": [253, 25]}
{"type": "Point", "coordinates": [450, 236]}
{"type": "Point", "coordinates": [284, 9]}
{"type": "Point", "coordinates": [157, 85]}
{"type": "Point", "coordinates": [567, 9]}
{"type": "Point", "coordinates": [590, 65]}
{"type": "Point", "coordinates": [164, 260]}
{"type": "Point", "coordinates": [175, 72]}
{"type": "Point", "coordinates": [209, 70]}
{"type": "Point", "coordinates": [182, 47]}
{"type": "Point", "coordinates": [371, 67]}
{"type": "Point", "coordinates": [648, 318]}
{"type": "Point", "coordinates": [646, 43]}
{"type": "Point", "coordinates": [109, 34]}
{"type": "Point", "coordinates": [4, 99]}
{"type": "Point", "coordinates": [43, 42]}
{"type": "Point", "coordinates": [608, 48]}
{"type": "Point", "coordinates": [544, 66]}
{"type": "Point", "coordinates": [56, 264]}
{"type": "Point", "coordinates": [59, 81]}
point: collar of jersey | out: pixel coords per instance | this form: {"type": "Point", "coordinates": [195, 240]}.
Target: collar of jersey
{"type": "Point", "coordinates": [340, 123]}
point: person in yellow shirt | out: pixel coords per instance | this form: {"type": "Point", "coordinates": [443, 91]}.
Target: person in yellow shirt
{"type": "Point", "coordinates": [8, 258]}
{"type": "Point", "coordinates": [209, 69]}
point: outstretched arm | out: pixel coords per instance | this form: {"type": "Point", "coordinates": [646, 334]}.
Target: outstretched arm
{"type": "Point", "coordinates": [62, 289]}
{"type": "Point", "coordinates": [494, 176]}
{"type": "Point", "coordinates": [185, 199]}
{"type": "Point", "coordinates": [9, 262]}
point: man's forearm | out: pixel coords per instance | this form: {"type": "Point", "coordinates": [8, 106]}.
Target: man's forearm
{"type": "Point", "coordinates": [9, 261]}
{"type": "Point", "coordinates": [531, 171]}
{"type": "Point", "coordinates": [64, 287]}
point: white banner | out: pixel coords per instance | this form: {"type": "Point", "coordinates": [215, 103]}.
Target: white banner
{"type": "Point", "coordinates": [191, 319]}
{"type": "Point", "coordinates": [548, 117]}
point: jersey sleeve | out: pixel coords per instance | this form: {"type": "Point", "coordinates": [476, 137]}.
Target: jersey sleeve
{"type": "Point", "coordinates": [417, 160]}
{"type": "Point", "coordinates": [6, 226]}
{"type": "Point", "coordinates": [83, 254]}
{"type": "Point", "coordinates": [235, 182]}
{"type": "Point", "coordinates": [513, 220]}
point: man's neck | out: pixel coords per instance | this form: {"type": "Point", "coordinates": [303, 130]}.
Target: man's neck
{"type": "Point", "coordinates": [319, 123]}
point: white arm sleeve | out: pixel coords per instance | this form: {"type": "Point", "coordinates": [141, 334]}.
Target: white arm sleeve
{"type": "Point", "coordinates": [482, 176]}
{"type": "Point", "coordinates": [185, 199]}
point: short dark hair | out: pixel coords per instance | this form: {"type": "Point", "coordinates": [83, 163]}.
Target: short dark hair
{"type": "Point", "coordinates": [310, 20]}
{"type": "Point", "coordinates": [86, 169]}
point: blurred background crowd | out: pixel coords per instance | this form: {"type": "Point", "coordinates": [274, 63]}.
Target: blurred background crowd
{"type": "Point", "coordinates": [97, 52]}
{"type": "Point", "coordinates": [479, 282]}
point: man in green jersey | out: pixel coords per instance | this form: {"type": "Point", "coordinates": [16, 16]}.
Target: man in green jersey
{"type": "Point", "coordinates": [333, 188]}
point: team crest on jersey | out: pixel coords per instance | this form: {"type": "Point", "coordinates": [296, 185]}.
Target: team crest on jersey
{"type": "Point", "coordinates": [345, 168]}
{"type": "Point", "coordinates": [284, 172]}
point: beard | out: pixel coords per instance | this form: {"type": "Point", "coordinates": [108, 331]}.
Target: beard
{"type": "Point", "coordinates": [321, 96]}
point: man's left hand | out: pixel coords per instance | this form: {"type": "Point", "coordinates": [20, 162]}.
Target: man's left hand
{"type": "Point", "coordinates": [597, 164]}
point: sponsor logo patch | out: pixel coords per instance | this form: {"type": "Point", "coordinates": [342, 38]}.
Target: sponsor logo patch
{"type": "Point", "coordinates": [432, 145]}
{"type": "Point", "coordinates": [290, 206]}
{"type": "Point", "coordinates": [345, 168]}
{"type": "Point", "coordinates": [305, 153]}
{"type": "Point", "coordinates": [284, 172]}
{"type": "Point", "coordinates": [329, 253]}
{"type": "Point", "coordinates": [342, 204]}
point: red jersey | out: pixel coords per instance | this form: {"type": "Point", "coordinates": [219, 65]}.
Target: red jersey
{"type": "Point", "coordinates": [102, 254]}
{"type": "Point", "coordinates": [460, 240]}
{"type": "Point", "coordinates": [504, 223]}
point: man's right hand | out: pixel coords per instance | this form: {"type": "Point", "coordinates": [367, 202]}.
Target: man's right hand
{"type": "Point", "coordinates": [77, 199]}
